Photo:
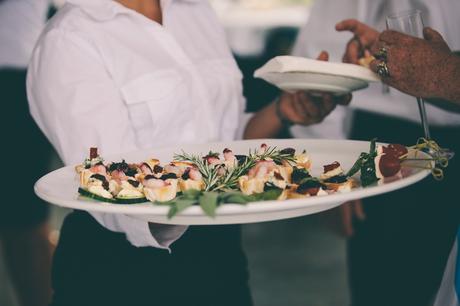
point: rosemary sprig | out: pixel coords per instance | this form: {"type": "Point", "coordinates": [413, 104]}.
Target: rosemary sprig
{"type": "Point", "coordinates": [274, 154]}
{"type": "Point", "coordinates": [229, 180]}
{"type": "Point", "coordinates": [209, 172]}
{"type": "Point", "coordinates": [218, 178]}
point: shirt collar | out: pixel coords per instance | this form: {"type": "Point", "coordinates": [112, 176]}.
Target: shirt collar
{"type": "Point", "coordinates": [107, 9]}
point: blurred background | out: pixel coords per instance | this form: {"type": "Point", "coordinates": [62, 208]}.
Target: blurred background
{"type": "Point", "coordinates": [295, 262]}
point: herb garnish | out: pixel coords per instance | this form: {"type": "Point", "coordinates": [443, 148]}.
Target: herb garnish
{"type": "Point", "coordinates": [366, 165]}
{"type": "Point", "coordinates": [209, 201]}
{"type": "Point", "coordinates": [221, 183]}
{"type": "Point", "coordinates": [214, 181]}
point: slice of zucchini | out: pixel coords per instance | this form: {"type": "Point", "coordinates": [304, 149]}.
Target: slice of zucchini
{"type": "Point", "coordinates": [131, 201]}
{"type": "Point", "coordinates": [96, 197]}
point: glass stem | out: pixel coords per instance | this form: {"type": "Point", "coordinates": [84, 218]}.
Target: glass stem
{"type": "Point", "coordinates": [424, 119]}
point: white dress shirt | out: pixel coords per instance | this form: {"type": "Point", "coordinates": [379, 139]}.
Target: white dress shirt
{"type": "Point", "coordinates": [21, 22]}
{"type": "Point", "coordinates": [320, 34]}
{"type": "Point", "coordinates": [104, 75]}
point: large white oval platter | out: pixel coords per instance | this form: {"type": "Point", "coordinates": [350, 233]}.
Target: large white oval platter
{"type": "Point", "coordinates": [60, 187]}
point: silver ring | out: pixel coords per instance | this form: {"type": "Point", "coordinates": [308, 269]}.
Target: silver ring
{"type": "Point", "coordinates": [382, 70]}
{"type": "Point", "coordinates": [382, 54]}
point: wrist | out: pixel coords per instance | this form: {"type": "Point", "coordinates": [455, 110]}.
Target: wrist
{"type": "Point", "coordinates": [448, 79]}
{"type": "Point", "coordinates": [283, 119]}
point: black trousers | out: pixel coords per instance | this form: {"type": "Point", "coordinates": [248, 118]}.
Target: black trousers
{"type": "Point", "coordinates": [94, 266]}
{"type": "Point", "coordinates": [26, 155]}
{"type": "Point", "coordinates": [398, 254]}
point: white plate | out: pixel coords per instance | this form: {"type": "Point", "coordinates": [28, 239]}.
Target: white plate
{"type": "Point", "coordinates": [291, 74]}
{"type": "Point", "coordinates": [60, 187]}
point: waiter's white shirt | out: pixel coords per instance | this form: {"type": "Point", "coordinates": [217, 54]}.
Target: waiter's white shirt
{"type": "Point", "coordinates": [319, 34]}
{"type": "Point", "coordinates": [21, 22]}
{"type": "Point", "coordinates": [103, 75]}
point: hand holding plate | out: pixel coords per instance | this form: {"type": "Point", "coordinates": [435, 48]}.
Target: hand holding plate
{"type": "Point", "coordinates": [307, 108]}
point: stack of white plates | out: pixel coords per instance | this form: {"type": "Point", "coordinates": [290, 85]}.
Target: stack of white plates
{"type": "Point", "coordinates": [292, 74]}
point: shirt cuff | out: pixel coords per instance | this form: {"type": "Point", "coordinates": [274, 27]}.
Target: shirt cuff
{"type": "Point", "coordinates": [141, 233]}
{"type": "Point", "coordinates": [243, 122]}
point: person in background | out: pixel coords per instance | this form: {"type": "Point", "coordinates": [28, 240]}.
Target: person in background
{"type": "Point", "coordinates": [128, 75]}
{"type": "Point", "coordinates": [394, 236]}
{"type": "Point", "coordinates": [24, 228]}
{"type": "Point", "coordinates": [424, 68]}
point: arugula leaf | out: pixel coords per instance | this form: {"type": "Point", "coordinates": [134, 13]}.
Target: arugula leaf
{"type": "Point", "coordinates": [271, 195]}
{"type": "Point", "coordinates": [180, 205]}
{"type": "Point", "coordinates": [209, 202]}
{"type": "Point", "coordinates": [235, 198]}
{"type": "Point", "coordinates": [271, 192]}
{"type": "Point", "coordinates": [191, 194]}
{"type": "Point", "coordinates": [172, 211]}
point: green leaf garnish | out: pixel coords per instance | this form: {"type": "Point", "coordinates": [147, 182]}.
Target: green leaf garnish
{"type": "Point", "coordinates": [235, 197]}
{"type": "Point", "coordinates": [366, 165]}
{"type": "Point", "coordinates": [209, 202]}
{"type": "Point", "coordinates": [179, 205]}
{"type": "Point", "coordinates": [368, 175]}
{"type": "Point", "coordinates": [213, 178]}
{"type": "Point", "coordinates": [373, 146]}
{"type": "Point", "coordinates": [357, 165]}
{"type": "Point", "coordinates": [191, 194]}
{"type": "Point", "coordinates": [271, 193]}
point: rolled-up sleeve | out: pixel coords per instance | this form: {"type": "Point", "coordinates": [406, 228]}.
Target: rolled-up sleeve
{"type": "Point", "coordinates": [77, 105]}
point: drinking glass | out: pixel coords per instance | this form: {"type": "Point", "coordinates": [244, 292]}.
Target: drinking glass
{"type": "Point", "coordinates": [411, 23]}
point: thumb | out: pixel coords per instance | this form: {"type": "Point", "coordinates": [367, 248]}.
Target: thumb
{"type": "Point", "coordinates": [432, 35]}
{"type": "Point", "coordinates": [323, 56]}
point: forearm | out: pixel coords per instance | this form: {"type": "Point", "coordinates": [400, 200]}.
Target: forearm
{"type": "Point", "coordinates": [298, 108]}
{"type": "Point", "coordinates": [264, 124]}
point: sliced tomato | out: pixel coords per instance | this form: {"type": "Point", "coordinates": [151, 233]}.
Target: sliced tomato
{"type": "Point", "coordinates": [395, 149]}
{"type": "Point", "coordinates": [389, 165]}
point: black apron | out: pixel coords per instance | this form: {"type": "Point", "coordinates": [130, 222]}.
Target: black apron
{"type": "Point", "coordinates": [94, 266]}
